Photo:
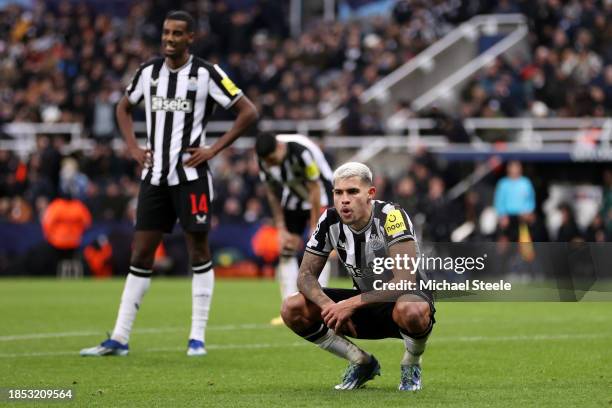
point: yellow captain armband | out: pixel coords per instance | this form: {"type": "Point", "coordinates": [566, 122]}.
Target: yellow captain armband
{"type": "Point", "coordinates": [394, 223]}
{"type": "Point", "coordinates": [229, 86]}
{"type": "Point", "coordinates": [312, 171]}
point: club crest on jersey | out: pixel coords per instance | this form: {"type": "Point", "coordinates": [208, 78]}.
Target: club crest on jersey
{"type": "Point", "coordinates": [394, 223]}
{"type": "Point", "coordinates": [192, 84]}
{"type": "Point", "coordinates": [375, 242]}
{"type": "Point", "coordinates": [159, 103]}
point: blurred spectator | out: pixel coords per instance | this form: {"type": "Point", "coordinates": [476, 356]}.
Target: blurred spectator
{"type": "Point", "coordinates": [253, 211]}
{"type": "Point", "coordinates": [397, 123]}
{"type": "Point", "coordinates": [104, 115]}
{"type": "Point", "coordinates": [514, 198]}
{"type": "Point", "coordinates": [72, 181]}
{"type": "Point", "coordinates": [439, 217]}
{"type": "Point", "coordinates": [405, 195]}
{"type": "Point", "coordinates": [64, 223]}
{"type": "Point", "coordinates": [606, 208]}
{"type": "Point", "coordinates": [112, 203]}
{"type": "Point", "coordinates": [98, 256]}
{"type": "Point", "coordinates": [20, 211]}
{"type": "Point", "coordinates": [568, 231]}
{"type": "Point", "coordinates": [596, 231]}
{"type": "Point", "coordinates": [50, 159]}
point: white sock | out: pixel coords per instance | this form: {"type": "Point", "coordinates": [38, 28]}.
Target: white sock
{"type": "Point", "coordinates": [287, 273]}
{"type": "Point", "coordinates": [202, 285]}
{"type": "Point", "coordinates": [340, 346]}
{"type": "Point", "coordinates": [414, 349]}
{"type": "Point", "coordinates": [133, 292]}
{"type": "Point", "coordinates": [324, 276]}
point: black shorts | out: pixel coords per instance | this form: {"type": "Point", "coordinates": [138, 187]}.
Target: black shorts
{"type": "Point", "coordinates": [376, 321]}
{"type": "Point", "coordinates": [297, 221]}
{"type": "Point", "coordinates": [160, 206]}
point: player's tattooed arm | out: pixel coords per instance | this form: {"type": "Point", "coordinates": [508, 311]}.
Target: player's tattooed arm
{"type": "Point", "coordinates": [308, 279]}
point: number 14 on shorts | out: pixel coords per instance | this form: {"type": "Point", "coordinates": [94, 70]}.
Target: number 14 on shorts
{"type": "Point", "coordinates": [199, 203]}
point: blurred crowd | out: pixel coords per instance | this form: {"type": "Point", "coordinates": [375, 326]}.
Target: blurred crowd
{"type": "Point", "coordinates": [64, 61]}
{"type": "Point", "coordinates": [107, 182]}
{"type": "Point", "coordinates": [570, 74]}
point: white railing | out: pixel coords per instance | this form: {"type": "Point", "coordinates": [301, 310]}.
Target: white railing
{"type": "Point", "coordinates": [439, 70]}
{"type": "Point", "coordinates": [523, 133]}
{"type": "Point", "coordinates": [465, 72]}
{"type": "Point", "coordinates": [425, 59]}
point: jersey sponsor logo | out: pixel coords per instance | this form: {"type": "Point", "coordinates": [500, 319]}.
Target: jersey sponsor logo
{"type": "Point", "coordinates": [359, 273]}
{"type": "Point", "coordinates": [159, 103]}
{"type": "Point", "coordinates": [353, 270]}
{"type": "Point", "coordinates": [394, 223]}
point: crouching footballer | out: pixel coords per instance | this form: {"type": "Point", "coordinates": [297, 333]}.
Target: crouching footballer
{"type": "Point", "coordinates": [361, 229]}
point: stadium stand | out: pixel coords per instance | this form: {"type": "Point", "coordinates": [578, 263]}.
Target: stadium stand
{"type": "Point", "coordinates": [63, 62]}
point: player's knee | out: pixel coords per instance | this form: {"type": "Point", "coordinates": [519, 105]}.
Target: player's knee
{"type": "Point", "coordinates": [293, 309]}
{"type": "Point", "coordinates": [200, 255]}
{"type": "Point", "coordinates": [142, 257]}
{"type": "Point", "coordinates": [412, 316]}
{"type": "Point", "coordinates": [198, 248]}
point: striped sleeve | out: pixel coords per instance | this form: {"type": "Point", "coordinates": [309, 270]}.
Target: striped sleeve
{"type": "Point", "coordinates": [397, 226]}
{"type": "Point", "coordinates": [311, 169]}
{"type": "Point", "coordinates": [320, 243]}
{"type": "Point", "coordinates": [221, 88]}
{"type": "Point", "coordinates": [135, 89]}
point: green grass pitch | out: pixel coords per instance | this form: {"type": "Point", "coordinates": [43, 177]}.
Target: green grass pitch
{"type": "Point", "coordinates": [480, 354]}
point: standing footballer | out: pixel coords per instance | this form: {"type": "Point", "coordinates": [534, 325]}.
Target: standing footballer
{"type": "Point", "coordinates": [180, 92]}
{"type": "Point", "coordinates": [361, 229]}
{"type": "Point", "coordinates": [297, 167]}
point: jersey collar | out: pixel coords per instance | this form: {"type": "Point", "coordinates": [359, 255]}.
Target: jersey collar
{"type": "Point", "coordinates": [181, 67]}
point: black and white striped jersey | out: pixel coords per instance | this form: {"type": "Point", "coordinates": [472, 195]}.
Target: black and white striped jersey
{"type": "Point", "coordinates": [389, 224]}
{"type": "Point", "coordinates": [178, 104]}
{"type": "Point", "coordinates": [304, 162]}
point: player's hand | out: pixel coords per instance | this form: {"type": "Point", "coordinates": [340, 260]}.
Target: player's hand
{"type": "Point", "coordinates": [198, 156]}
{"type": "Point", "coordinates": [349, 328]}
{"type": "Point", "coordinates": [337, 316]}
{"type": "Point", "coordinates": [144, 157]}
